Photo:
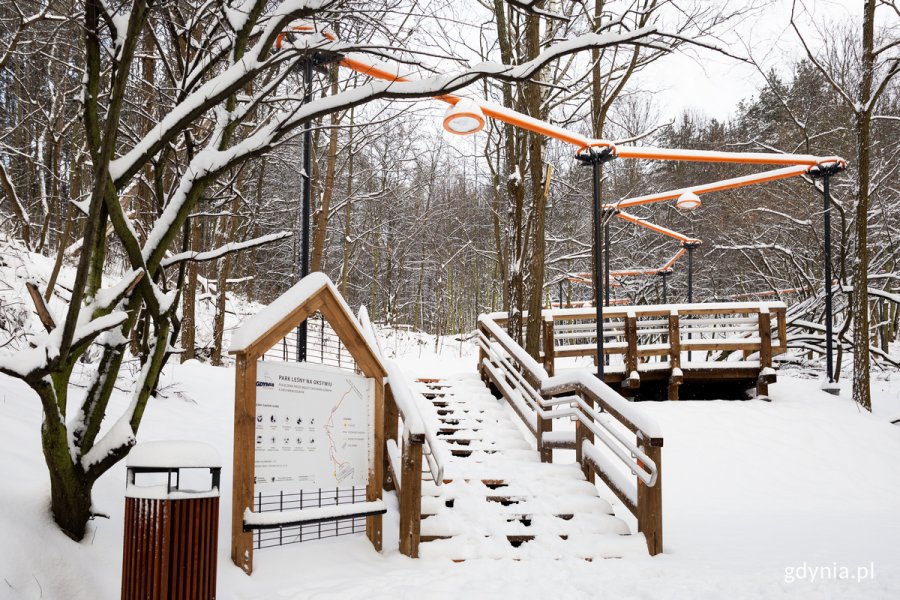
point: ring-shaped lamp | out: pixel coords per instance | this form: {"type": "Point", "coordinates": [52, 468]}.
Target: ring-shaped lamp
{"type": "Point", "coordinates": [688, 201]}
{"type": "Point", "coordinates": [464, 118]}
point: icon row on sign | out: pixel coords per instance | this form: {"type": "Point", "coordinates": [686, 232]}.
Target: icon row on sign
{"type": "Point", "coordinates": [286, 420]}
{"type": "Point", "coordinates": [273, 440]}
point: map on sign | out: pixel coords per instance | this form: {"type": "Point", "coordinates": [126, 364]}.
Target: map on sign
{"type": "Point", "coordinates": [313, 428]}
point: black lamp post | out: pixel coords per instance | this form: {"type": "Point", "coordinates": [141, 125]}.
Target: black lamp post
{"type": "Point", "coordinates": [306, 195]}
{"type": "Point", "coordinates": [317, 61]}
{"type": "Point", "coordinates": [595, 157]}
{"type": "Point", "coordinates": [607, 213]}
{"type": "Point", "coordinates": [825, 171]}
{"type": "Point", "coordinates": [690, 246]}
{"type": "Point", "coordinates": [664, 274]}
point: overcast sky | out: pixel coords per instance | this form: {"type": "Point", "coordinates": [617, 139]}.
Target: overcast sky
{"type": "Point", "coordinates": [714, 84]}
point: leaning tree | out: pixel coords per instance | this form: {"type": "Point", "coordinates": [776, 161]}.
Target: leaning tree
{"type": "Point", "coordinates": [175, 95]}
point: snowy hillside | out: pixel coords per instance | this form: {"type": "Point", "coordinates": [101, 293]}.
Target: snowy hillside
{"type": "Point", "coordinates": [759, 498]}
{"type": "Point", "coordinates": [752, 490]}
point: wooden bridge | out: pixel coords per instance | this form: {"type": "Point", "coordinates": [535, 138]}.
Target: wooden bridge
{"type": "Point", "coordinates": [671, 344]}
{"type": "Point", "coordinates": [469, 484]}
{"type": "Point", "coordinates": [471, 481]}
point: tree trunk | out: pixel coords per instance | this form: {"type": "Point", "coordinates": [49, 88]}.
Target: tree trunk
{"type": "Point", "coordinates": [321, 216]}
{"type": "Point", "coordinates": [219, 323]}
{"type": "Point", "coordinates": [70, 489]}
{"type": "Point", "coordinates": [348, 245]}
{"type": "Point", "coordinates": [188, 321]}
{"type": "Point", "coordinates": [538, 195]}
{"type": "Point", "coordinates": [862, 393]}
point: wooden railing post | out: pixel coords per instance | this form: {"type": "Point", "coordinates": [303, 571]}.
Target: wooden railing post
{"type": "Point", "coordinates": [631, 353]}
{"type": "Point", "coordinates": [649, 503]}
{"type": "Point", "coordinates": [781, 316]}
{"type": "Point", "coordinates": [410, 498]}
{"type": "Point", "coordinates": [583, 434]}
{"type": "Point", "coordinates": [543, 426]}
{"type": "Point", "coordinates": [391, 417]}
{"type": "Point", "coordinates": [675, 377]}
{"type": "Point", "coordinates": [765, 352]}
{"type": "Point", "coordinates": [482, 354]}
{"type": "Point", "coordinates": [549, 346]}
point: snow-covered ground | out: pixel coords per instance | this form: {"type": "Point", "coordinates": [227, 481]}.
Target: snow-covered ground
{"type": "Point", "coordinates": [760, 499]}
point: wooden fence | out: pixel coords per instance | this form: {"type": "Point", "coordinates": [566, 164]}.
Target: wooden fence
{"type": "Point", "coordinates": [612, 436]}
{"type": "Point", "coordinates": [701, 342]}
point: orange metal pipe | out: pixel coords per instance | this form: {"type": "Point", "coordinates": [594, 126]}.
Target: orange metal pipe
{"type": "Point", "coordinates": [653, 227]}
{"type": "Point", "coordinates": [747, 158]}
{"type": "Point", "coordinates": [586, 277]}
{"type": "Point", "coordinates": [725, 184]}
{"type": "Point", "coordinates": [518, 119]}
{"type": "Point", "coordinates": [681, 252]}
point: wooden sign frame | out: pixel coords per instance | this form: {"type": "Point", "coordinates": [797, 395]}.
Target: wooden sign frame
{"type": "Point", "coordinates": [325, 299]}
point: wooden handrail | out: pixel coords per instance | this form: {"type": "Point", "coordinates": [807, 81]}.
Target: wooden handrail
{"type": "Point", "coordinates": [403, 458]}
{"type": "Point", "coordinates": [528, 388]}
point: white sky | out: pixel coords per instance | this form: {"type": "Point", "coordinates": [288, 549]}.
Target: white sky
{"type": "Point", "coordinates": [714, 84]}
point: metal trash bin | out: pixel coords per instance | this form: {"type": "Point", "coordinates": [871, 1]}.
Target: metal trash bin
{"type": "Point", "coordinates": [171, 522]}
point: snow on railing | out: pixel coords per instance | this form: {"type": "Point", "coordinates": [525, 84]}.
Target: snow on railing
{"type": "Point", "coordinates": [298, 516]}
{"type": "Point", "coordinates": [587, 381]}
{"type": "Point", "coordinates": [516, 351]}
{"type": "Point", "coordinates": [601, 416]}
{"type": "Point", "coordinates": [534, 409]}
{"type": "Point", "coordinates": [413, 423]}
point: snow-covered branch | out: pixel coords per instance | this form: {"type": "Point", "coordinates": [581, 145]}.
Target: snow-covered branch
{"type": "Point", "coordinates": [223, 250]}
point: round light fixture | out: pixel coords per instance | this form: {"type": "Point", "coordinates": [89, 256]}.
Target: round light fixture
{"type": "Point", "coordinates": [688, 201]}
{"type": "Point", "coordinates": [464, 118]}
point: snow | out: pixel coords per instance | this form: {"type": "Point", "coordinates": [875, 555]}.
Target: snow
{"type": "Point", "coordinates": [174, 453]}
{"type": "Point", "coordinates": [733, 535]}
{"type": "Point", "coordinates": [753, 492]}
{"type": "Point", "coordinates": [162, 492]}
{"type": "Point", "coordinates": [227, 248]}
{"type": "Point", "coordinates": [634, 412]}
{"type": "Point", "coordinates": [274, 518]}
{"type": "Point", "coordinates": [267, 318]}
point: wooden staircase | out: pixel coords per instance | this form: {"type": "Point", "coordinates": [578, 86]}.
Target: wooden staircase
{"type": "Point", "coordinates": [498, 500]}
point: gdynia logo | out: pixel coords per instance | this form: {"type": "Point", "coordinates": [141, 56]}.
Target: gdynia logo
{"type": "Point", "coordinates": [266, 384]}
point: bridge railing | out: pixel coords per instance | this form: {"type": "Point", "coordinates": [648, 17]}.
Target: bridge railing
{"type": "Point", "coordinates": [403, 456]}
{"type": "Point", "coordinates": [637, 339]}
{"type": "Point", "coordinates": [612, 437]}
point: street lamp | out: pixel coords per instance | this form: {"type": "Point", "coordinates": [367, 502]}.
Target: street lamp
{"type": "Point", "coordinates": [825, 171]}
{"type": "Point", "coordinates": [464, 118]}
{"type": "Point", "coordinates": [688, 201]}
{"type": "Point", "coordinates": [595, 156]}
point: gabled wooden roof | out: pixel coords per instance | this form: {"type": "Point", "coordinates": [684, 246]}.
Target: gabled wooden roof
{"type": "Point", "coordinates": [314, 293]}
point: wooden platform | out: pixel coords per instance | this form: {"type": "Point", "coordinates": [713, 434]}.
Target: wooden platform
{"type": "Point", "coordinates": [676, 344]}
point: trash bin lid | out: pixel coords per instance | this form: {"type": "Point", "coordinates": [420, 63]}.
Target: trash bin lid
{"type": "Point", "coordinates": [173, 454]}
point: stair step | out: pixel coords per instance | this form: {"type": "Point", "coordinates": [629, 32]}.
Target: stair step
{"type": "Point", "coordinates": [448, 525]}
{"type": "Point", "coordinates": [497, 499]}
{"type": "Point", "coordinates": [543, 547]}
